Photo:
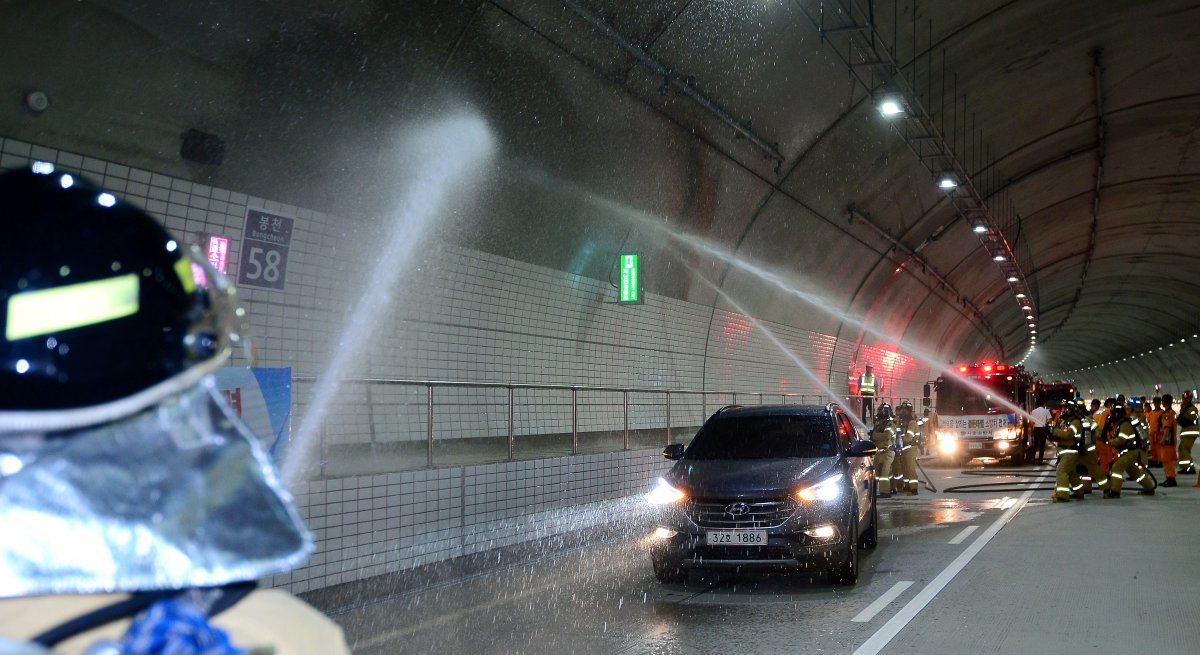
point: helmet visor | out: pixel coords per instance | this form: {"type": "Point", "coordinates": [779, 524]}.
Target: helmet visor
{"type": "Point", "coordinates": [178, 495]}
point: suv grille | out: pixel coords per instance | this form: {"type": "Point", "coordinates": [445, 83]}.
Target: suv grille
{"type": "Point", "coordinates": [713, 513]}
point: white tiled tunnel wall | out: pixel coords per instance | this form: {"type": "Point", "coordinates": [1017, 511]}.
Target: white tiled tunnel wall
{"type": "Point", "coordinates": [372, 525]}
{"type": "Point", "coordinates": [480, 318]}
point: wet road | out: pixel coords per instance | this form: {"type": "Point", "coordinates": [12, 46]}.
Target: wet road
{"type": "Point", "coordinates": [603, 598]}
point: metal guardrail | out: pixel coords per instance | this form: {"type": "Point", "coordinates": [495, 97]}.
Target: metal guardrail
{"type": "Point", "coordinates": [430, 403]}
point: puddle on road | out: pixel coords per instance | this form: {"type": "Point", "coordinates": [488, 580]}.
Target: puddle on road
{"type": "Point", "coordinates": [895, 521]}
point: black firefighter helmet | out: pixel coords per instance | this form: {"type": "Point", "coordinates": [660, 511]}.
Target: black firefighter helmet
{"type": "Point", "coordinates": [98, 303]}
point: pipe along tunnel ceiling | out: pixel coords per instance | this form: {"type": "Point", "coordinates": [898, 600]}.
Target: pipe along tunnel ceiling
{"type": "Point", "coordinates": [703, 134]}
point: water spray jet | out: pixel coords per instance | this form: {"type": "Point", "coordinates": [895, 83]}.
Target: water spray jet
{"type": "Point", "coordinates": [436, 159]}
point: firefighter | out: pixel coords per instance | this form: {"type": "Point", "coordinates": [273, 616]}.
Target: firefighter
{"type": "Point", "coordinates": [1154, 425]}
{"type": "Point", "coordinates": [1128, 437]}
{"type": "Point", "coordinates": [1152, 409]}
{"type": "Point", "coordinates": [1188, 419]}
{"type": "Point", "coordinates": [1066, 433]}
{"type": "Point", "coordinates": [883, 434]}
{"type": "Point", "coordinates": [868, 387]}
{"type": "Point", "coordinates": [1088, 463]}
{"type": "Point", "coordinates": [1104, 455]}
{"type": "Point", "coordinates": [1167, 441]}
{"type": "Point", "coordinates": [137, 510]}
{"type": "Point", "coordinates": [1137, 414]}
{"type": "Point", "coordinates": [926, 425]}
{"type": "Point", "coordinates": [909, 432]}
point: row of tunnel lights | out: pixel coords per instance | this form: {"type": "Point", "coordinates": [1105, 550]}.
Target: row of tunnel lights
{"type": "Point", "coordinates": [1125, 359]}
{"type": "Point", "coordinates": [891, 105]}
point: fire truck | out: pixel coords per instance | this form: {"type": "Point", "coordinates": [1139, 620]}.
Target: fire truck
{"type": "Point", "coordinates": [1053, 393]}
{"type": "Point", "coordinates": [980, 412]}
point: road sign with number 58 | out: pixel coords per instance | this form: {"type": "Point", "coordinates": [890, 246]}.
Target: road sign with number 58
{"type": "Point", "coordinates": [265, 245]}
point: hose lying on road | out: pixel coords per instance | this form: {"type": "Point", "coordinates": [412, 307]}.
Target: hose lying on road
{"type": "Point", "coordinates": [992, 487]}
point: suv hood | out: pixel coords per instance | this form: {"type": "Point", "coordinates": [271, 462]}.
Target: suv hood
{"type": "Point", "coordinates": [749, 478]}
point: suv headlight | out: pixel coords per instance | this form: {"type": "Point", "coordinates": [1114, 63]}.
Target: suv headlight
{"type": "Point", "coordinates": [827, 489]}
{"type": "Point", "coordinates": [664, 494]}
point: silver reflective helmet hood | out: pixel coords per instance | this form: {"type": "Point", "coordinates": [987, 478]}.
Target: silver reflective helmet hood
{"type": "Point", "coordinates": [177, 495]}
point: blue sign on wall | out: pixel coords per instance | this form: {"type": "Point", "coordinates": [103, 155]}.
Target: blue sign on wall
{"type": "Point", "coordinates": [262, 397]}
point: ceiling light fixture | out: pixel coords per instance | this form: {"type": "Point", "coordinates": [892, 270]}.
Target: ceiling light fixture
{"type": "Point", "coordinates": [891, 104]}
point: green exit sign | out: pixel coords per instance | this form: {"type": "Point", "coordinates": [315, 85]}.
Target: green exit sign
{"type": "Point", "coordinates": [631, 279]}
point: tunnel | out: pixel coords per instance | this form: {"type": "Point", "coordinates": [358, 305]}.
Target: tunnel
{"type": "Point", "coordinates": [494, 258]}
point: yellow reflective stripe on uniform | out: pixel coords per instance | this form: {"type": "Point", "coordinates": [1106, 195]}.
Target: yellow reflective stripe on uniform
{"type": "Point", "coordinates": [1068, 452]}
{"type": "Point", "coordinates": [44, 311]}
{"type": "Point", "coordinates": [1141, 478]}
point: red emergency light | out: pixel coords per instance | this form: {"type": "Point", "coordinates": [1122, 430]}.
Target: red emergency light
{"type": "Point", "coordinates": [962, 369]}
{"type": "Point", "coordinates": [987, 368]}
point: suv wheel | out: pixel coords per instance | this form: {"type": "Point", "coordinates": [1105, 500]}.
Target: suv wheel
{"type": "Point", "coordinates": [668, 572]}
{"type": "Point", "coordinates": [870, 539]}
{"type": "Point", "coordinates": [846, 573]}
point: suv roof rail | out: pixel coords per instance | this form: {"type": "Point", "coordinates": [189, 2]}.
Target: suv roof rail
{"type": "Point", "coordinates": [729, 407]}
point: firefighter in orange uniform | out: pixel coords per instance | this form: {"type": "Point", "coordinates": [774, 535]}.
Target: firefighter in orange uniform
{"type": "Point", "coordinates": [1167, 442]}
{"type": "Point", "coordinates": [1154, 425]}
{"type": "Point", "coordinates": [1104, 454]}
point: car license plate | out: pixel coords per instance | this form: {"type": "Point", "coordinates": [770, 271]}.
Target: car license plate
{"type": "Point", "coordinates": [975, 445]}
{"type": "Point", "coordinates": [738, 538]}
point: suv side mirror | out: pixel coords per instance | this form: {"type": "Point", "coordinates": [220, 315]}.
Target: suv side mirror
{"type": "Point", "coordinates": [861, 448]}
{"type": "Point", "coordinates": [673, 451]}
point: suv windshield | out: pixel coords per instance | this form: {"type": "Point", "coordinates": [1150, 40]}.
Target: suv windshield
{"type": "Point", "coordinates": [764, 437]}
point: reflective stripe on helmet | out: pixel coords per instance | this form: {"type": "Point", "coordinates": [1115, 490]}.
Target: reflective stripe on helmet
{"type": "Point", "coordinates": [44, 311]}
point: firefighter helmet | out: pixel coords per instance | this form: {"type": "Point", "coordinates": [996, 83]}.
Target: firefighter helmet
{"type": "Point", "coordinates": [103, 311]}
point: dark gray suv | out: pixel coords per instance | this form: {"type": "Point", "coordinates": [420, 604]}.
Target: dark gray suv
{"type": "Point", "coordinates": [767, 486]}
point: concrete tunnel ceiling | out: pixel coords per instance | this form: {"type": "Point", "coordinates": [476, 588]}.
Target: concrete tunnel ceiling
{"type": "Point", "coordinates": [626, 125]}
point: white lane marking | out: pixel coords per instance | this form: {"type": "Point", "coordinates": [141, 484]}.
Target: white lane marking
{"type": "Point", "coordinates": [888, 596]}
{"type": "Point", "coordinates": [962, 536]}
{"type": "Point", "coordinates": [1007, 502]}
{"type": "Point", "coordinates": [884, 635]}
